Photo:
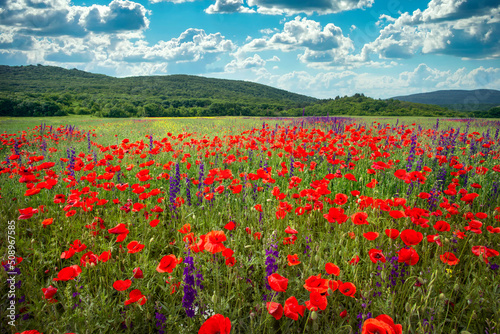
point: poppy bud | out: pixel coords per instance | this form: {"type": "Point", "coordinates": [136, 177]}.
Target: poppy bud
{"type": "Point", "coordinates": [316, 258]}
{"type": "Point", "coordinates": [252, 315]}
{"type": "Point", "coordinates": [151, 240]}
{"type": "Point", "coordinates": [456, 287]}
{"type": "Point", "coordinates": [442, 296]}
{"type": "Point", "coordinates": [214, 298]}
{"type": "Point", "coordinates": [314, 315]}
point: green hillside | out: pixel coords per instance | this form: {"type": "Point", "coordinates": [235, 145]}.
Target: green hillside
{"type": "Point", "coordinates": [360, 105]}
{"type": "Point", "coordinates": [461, 100]}
{"type": "Point", "coordinates": [27, 90]}
{"type": "Point", "coordinates": [54, 91]}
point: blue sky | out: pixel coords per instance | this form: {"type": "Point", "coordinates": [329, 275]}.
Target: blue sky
{"type": "Point", "coordinates": [320, 48]}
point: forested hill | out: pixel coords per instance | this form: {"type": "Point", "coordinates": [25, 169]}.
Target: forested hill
{"type": "Point", "coordinates": [85, 93]}
{"type": "Point", "coordinates": [54, 91]}
{"type": "Point", "coordinates": [463, 100]}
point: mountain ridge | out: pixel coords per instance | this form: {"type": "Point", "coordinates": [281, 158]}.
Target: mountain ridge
{"type": "Point", "coordinates": [457, 99]}
{"type": "Point", "coordinates": [20, 78]}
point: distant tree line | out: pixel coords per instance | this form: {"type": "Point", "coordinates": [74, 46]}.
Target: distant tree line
{"type": "Point", "coordinates": [53, 91]}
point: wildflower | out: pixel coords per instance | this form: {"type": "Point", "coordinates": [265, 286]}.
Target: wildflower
{"type": "Point", "coordinates": [216, 324]}
{"type": "Point", "coordinates": [449, 258]}
{"type": "Point", "coordinates": [168, 263]}
{"type": "Point", "coordinates": [293, 308]}
{"type": "Point", "coordinates": [136, 296]}
{"type": "Point", "coordinates": [277, 282]}
{"type": "Point", "coordinates": [293, 260]}
{"type": "Point", "coordinates": [275, 309]}
{"type": "Point", "coordinates": [332, 269]}
{"type": "Point", "coordinates": [381, 324]}
{"type": "Point", "coordinates": [68, 273]}
{"type": "Point", "coordinates": [122, 285]}
{"type": "Point", "coordinates": [316, 300]}
{"type": "Point", "coordinates": [214, 240]}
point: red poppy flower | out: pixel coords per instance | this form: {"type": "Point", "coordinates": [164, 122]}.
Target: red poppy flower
{"type": "Point", "coordinates": [343, 314]}
{"type": "Point", "coordinates": [411, 237]}
{"type": "Point", "coordinates": [105, 256]}
{"type": "Point", "coordinates": [168, 263]}
{"type": "Point", "coordinates": [48, 293]}
{"type": "Point", "coordinates": [138, 273]}
{"type": "Point", "coordinates": [121, 230]}
{"type": "Point", "coordinates": [424, 195]}
{"type": "Point", "coordinates": [47, 222]}
{"type": "Point", "coordinates": [316, 300]}
{"type": "Point", "coordinates": [230, 261]}
{"type": "Point", "coordinates": [275, 309]}
{"type": "Point", "coordinates": [186, 228]}
{"type": "Point", "coordinates": [89, 258]}
{"type": "Point", "coordinates": [257, 235]}
{"type": "Point", "coordinates": [122, 285]}
{"type": "Point", "coordinates": [381, 324]}
{"type": "Point", "coordinates": [347, 289]}
{"type": "Point", "coordinates": [293, 308]}
{"type": "Point", "coordinates": [59, 198]}
{"type": "Point", "coordinates": [354, 260]}
{"type": "Point", "coordinates": [332, 269]}
{"type": "Point", "coordinates": [492, 229]}
{"type": "Point", "coordinates": [335, 215]}
{"type": "Point", "coordinates": [68, 273]}
{"type": "Point", "coordinates": [449, 258]}
{"type": "Point", "coordinates": [408, 256]}
{"type": "Point", "coordinates": [396, 214]}
{"type": "Point", "coordinates": [442, 226]}
{"type": "Point", "coordinates": [214, 240]}
{"type": "Point", "coordinates": [371, 235]}
{"type": "Point", "coordinates": [230, 226]}
{"type": "Point", "coordinates": [359, 218]}
{"type": "Point", "coordinates": [216, 324]}
{"type": "Point", "coordinates": [154, 222]}
{"type": "Point", "coordinates": [333, 285]}
{"type": "Point", "coordinates": [350, 177]}
{"type": "Point", "coordinates": [484, 251]}
{"type": "Point", "coordinates": [290, 230]}
{"type": "Point", "coordinates": [134, 247]}
{"type": "Point", "coordinates": [372, 183]}
{"type": "Point", "coordinates": [469, 198]}
{"type": "Point", "coordinates": [136, 296]}
{"type": "Point", "coordinates": [228, 252]}
{"type": "Point", "coordinates": [293, 260]}
{"type": "Point", "coordinates": [376, 255]}
{"type": "Point", "coordinates": [340, 199]}
{"type": "Point", "coordinates": [70, 213]}
{"type": "Point", "coordinates": [392, 233]}
{"type": "Point", "coordinates": [277, 282]}
{"type": "Point", "coordinates": [481, 215]}
{"type": "Point", "coordinates": [316, 283]}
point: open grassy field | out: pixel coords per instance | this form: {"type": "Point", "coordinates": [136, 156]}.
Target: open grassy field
{"type": "Point", "coordinates": [249, 225]}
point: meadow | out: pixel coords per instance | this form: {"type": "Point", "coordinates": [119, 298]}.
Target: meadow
{"type": "Point", "coordinates": [249, 225]}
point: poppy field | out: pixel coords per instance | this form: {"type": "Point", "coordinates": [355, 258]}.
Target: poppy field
{"type": "Point", "coordinates": [250, 225]}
